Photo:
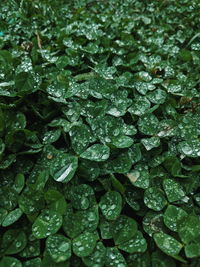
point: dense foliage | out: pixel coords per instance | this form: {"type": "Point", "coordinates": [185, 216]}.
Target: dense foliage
{"type": "Point", "coordinates": [99, 133]}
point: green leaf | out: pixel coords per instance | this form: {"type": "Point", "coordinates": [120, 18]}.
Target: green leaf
{"type": "Point", "coordinates": [10, 261]}
{"type": "Point", "coordinates": [140, 106]}
{"type": "Point", "coordinates": [136, 244]}
{"type": "Point", "coordinates": [189, 228]}
{"type": "Point", "coordinates": [190, 148]}
{"type": "Point", "coordinates": [74, 223]}
{"type": "Point", "coordinates": [157, 96]}
{"type": "Point", "coordinates": [13, 241]}
{"type": "Point", "coordinates": [84, 244]}
{"type": "Point", "coordinates": [167, 243]}
{"type": "Point", "coordinates": [139, 177]}
{"type": "Point", "coordinates": [32, 263]}
{"type": "Point", "coordinates": [122, 141]}
{"type": "Point", "coordinates": [51, 136]}
{"type": "Point", "coordinates": [114, 257]}
{"type": "Point", "coordinates": [81, 137]}
{"type": "Point", "coordinates": [55, 201]}
{"type": "Point", "coordinates": [173, 190]}
{"type": "Point", "coordinates": [82, 196]}
{"type": "Point", "coordinates": [148, 124]}
{"type": "Point", "coordinates": [96, 152]}
{"type": "Point", "coordinates": [123, 229]}
{"type": "Point", "coordinates": [111, 205]}
{"type": "Point", "coordinates": [151, 142]}
{"type": "Point", "coordinates": [97, 257]}
{"type": "Point", "coordinates": [192, 250]}
{"type": "Point", "coordinates": [100, 87]}
{"type": "Point", "coordinates": [172, 216]}
{"type": "Point", "coordinates": [47, 223]}
{"type": "Point", "coordinates": [153, 223]}
{"type": "Point", "coordinates": [32, 248]}
{"type": "Point", "coordinates": [58, 247]}
{"type": "Point", "coordinates": [105, 229]}
{"type": "Point", "coordinates": [12, 217]}
{"type": "Point", "coordinates": [154, 199]}
{"type": "Point", "coordinates": [19, 182]}
{"type": "Point", "coordinates": [89, 170]}
{"type": "Point", "coordinates": [26, 83]}
{"type": "Point", "coordinates": [3, 214]}
{"type": "Point", "coordinates": [65, 174]}
{"type": "Point", "coordinates": [160, 259]}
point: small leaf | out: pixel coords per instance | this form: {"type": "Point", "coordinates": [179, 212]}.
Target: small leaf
{"type": "Point", "coordinates": [136, 244]}
{"type": "Point", "coordinates": [26, 83]}
{"type": "Point", "coordinates": [19, 182]}
{"type": "Point", "coordinates": [148, 124]}
{"type": "Point", "coordinates": [47, 223]}
{"type": "Point", "coordinates": [51, 136]}
{"type": "Point", "coordinates": [167, 244]}
{"type": "Point", "coordinates": [58, 247]}
{"type": "Point", "coordinates": [97, 257]}
{"type": "Point", "coordinates": [66, 173]}
{"type": "Point", "coordinates": [151, 142]}
{"type": "Point", "coordinates": [189, 228]}
{"type": "Point", "coordinates": [12, 217]}
{"type": "Point", "coordinates": [192, 250]}
{"type": "Point", "coordinates": [96, 152]}
{"type": "Point", "coordinates": [114, 258]}
{"type": "Point", "coordinates": [122, 141]}
{"type": "Point", "coordinates": [173, 190]}
{"type": "Point", "coordinates": [13, 241]}
{"type": "Point", "coordinates": [190, 148]}
{"type": "Point", "coordinates": [55, 201]}
{"type": "Point", "coordinates": [154, 199]}
{"type": "Point", "coordinates": [10, 261]}
{"type": "Point", "coordinates": [139, 177]}
{"type": "Point", "coordinates": [84, 244]}
{"type": "Point", "coordinates": [172, 215]}
{"type": "Point", "coordinates": [111, 205]}
{"type": "Point", "coordinates": [123, 229]}
{"type": "Point", "coordinates": [157, 97]}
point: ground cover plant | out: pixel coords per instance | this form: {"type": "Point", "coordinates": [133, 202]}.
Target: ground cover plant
{"type": "Point", "coordinates": [99, 133]}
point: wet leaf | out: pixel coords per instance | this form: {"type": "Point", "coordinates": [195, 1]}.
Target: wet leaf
{"type": "Point", "coordinates": [154, 199]}
{"type": "Point", "coordinates": [13, 241]}
{"type": "Point", "coordinates": [58, 247]}
{"type": "Point", "coordinates": [113, 257]}
{"type": "Point", "coordinates": [10, 261]}
{"type": "Point", "coordinates": [192, 224]}
{"type": "Point", "coordinates": [139, 177]}
{"type": "Point", "coordinates": [84, 244]}
{"type": "Point", "coordinates": [172, 216]}
{"type": "Point", "coordinates": [47, 223]}
{"type": "Point", "coordinates": [167, 243]}
{"type": "Point", "coordinates": [173, 190]}
{"type": "Point", "coordinates": [96, 152]}
{"type": "Point", "coordinates": [135, 244]}
{"type": "Point", "coordinates": [111, 205]}
{"type": "Point", "coordinates": [12, 217]}
{"type": "Point", "coordinates": [123, 229]}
